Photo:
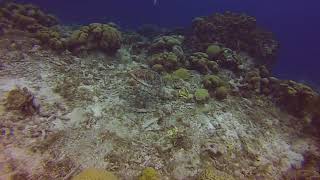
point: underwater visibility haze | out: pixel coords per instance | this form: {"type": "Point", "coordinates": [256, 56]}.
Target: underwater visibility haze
{"type": "Point", "coordinates": [159, 90]}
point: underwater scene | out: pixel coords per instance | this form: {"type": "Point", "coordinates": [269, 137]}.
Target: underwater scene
{"type": "Point", "coordinates": [159, 90]}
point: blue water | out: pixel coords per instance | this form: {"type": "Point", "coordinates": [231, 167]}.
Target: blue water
{"type": "Point", "coordinates": [295, 23]}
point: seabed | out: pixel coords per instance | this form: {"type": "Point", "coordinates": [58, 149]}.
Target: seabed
{"type": "Point", "coordinates": [113, 112]}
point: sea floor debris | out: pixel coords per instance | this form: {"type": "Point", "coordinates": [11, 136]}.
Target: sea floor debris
{"type": "Point", "coordinates": [95, 112]}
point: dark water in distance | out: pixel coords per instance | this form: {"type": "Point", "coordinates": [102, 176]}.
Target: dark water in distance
{"type": "Point", "coordinates": [296, 23]}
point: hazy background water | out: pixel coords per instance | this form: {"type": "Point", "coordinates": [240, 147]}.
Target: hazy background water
{"type": "Point", "coordinates": [296, 23]}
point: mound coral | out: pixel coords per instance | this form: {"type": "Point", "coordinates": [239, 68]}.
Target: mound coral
{"type": "Point", "coordinates": [166, 43]}
{"type": "Point", "coordinates": [214, 51]}
{"type": "Point", "coordinates": [25, 17]}
{"type": "Point", "coordinates": [200, 62]}
{"type": "Point", "coordinates": [95, 174]}
{"type": "Point", "coordinates": [212, 82]}
{"type": "Point", "coordinates": [182, 73]}
{"type": "Point", "coordinates": [235, 31]}
{"type": "Point", "coordinates": [168, 60]}
{"type": "Point", "coordinates": [221, 92]}
{"type": "Point", "coordinates": [149, 173]}
{"type": "Point", "coordinates": [96, 36]}
{"type": "Point", "coordinates": [201, 95]}
{"type": "Point", "coordinates": [51, 38]}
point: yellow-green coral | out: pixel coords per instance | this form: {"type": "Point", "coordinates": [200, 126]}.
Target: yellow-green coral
{"type": "Point", "coordinates": [201, 95]}
{"type": "Point", "coordinates": [213, 51]}
{"type": "Point", "coordinates": [95, 174]}
{"type": "Point", "coordinates": [182, 73]}
{"type": "Point", "coordinates": [214, 174]}
{"type": "Point", "coordinates": [149, 173]}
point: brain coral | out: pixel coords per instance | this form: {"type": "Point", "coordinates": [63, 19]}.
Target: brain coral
{"type": "Point", "coordinates": [96, 36]}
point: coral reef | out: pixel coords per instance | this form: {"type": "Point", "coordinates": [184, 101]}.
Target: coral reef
{"type": "Point", "coordinates": [95, 174]}
{"type": "Point", "coordinates": [96, 36]}
{"type": "Point", "coordinates": [235, 31]}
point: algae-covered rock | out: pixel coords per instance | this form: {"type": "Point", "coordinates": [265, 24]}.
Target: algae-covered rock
{"type": "Point", "coordinates": [95, 174]}
{"type": "Point", "coordinates": [149, 173]}
{"type": "Point", "coordinates": [214, 51]}
{"type": "Point", "coordinates": [96, 36]}
{"type": "Point", "coordinates": [201, 95]}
